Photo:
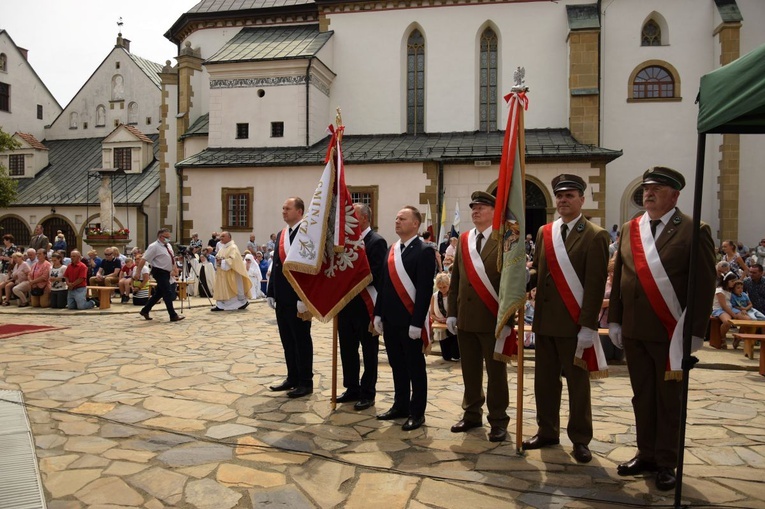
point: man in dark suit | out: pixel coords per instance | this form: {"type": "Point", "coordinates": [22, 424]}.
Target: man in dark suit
{"type": "Point", "coordinates": [401, 309]}
{"type": "Point", "coordinates": [664, 233]}
{"type": "Point", "coordinates": [571, 261]}
{"type": "Point", "coordinates": [354, 321]}
{"type": "Point", "coordinates": [295, 332]}
{"type": "Point", "coordinates": [474, 322]}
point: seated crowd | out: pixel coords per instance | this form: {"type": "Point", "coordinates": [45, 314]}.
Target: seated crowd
{"type": "Point", "coordinates": [51, 278]}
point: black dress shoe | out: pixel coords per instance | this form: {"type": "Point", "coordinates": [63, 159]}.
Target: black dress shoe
{"type": "Point", "coordinates": [363, 404]}
{"type": "Point", "coordinates": [413, 423]}
{"type": "Point", "coordinates": [299, 392]}
{"type": "Point", "coordinates": [464, 425]}
{"type": "Point", "coordinates": [284, 386]}
{"type": "Point", "coordinates": [177, 318]}
{"type": "Point", "coordinates": [537, 442]}
{"type": "Point", "coordinates": [244, 306]}
{"type": "Point", "coordinates": [636, 466]}
{"type": "Point", "coordinates": [347, 397]}
{"type": "Point", "coordinates": [665, 479]}
{"type": "Point", "coordinates": [215, 308]}
{"type": "Point", "coordinates": [582, 453]}
{"type": "Point", "coordinates": [393, 413]}
{"type": "Point", "coordinates": [146, 315]}
{"type": "Point", "coordinates": [497, 434]}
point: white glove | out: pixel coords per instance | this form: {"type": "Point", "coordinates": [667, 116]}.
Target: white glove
{"type": "Point", "coordinates": [224, 265]}
{"type": "Point", "coordinates": [451, 324]}
{"type": "Point", "coordinates": [615, 333]}
{"type": "Point", "coordinates": [271, 302]}
{"type": "Point", "coordinates": [586, 338]}
{"type": "Point", "coordinates": [415, 332]}
{"type": "Point", "coordinates": [301, 307]}
{"type": "Point", "coordinates": [696, 343]}
{"type": "Point", "coordinates": [377, 324]}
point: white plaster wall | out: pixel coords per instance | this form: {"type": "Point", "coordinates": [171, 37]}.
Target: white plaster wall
{"type": "Point", "coordinates": [660, 133]}
{"type": "Point", "coordinates": [98, 90]}
{"type": "Point", "coordinates": [370, 49]}
{"type": "Point", "coordinates": [27, 91]}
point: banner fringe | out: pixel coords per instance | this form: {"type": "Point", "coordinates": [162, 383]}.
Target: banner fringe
{"type": "Point", "coordinates": [673, 376]}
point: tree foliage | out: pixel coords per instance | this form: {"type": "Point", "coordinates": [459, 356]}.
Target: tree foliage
{"type": "Point", "coordinates": [7, 184]}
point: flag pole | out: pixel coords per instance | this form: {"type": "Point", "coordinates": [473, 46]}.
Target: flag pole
{"type": "Point", "coordinates": [338, 123]}
{"type": "Point", "coordinates": [521, 322]}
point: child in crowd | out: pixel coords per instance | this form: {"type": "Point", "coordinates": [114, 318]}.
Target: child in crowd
{"type": "Point", "coordinates": [722, 309]}
{"type": "Point", "coordinates": [126, 280]}
{"type": "Point", "coordinates": [740, 300]}
{"type": "Point", "coordinates": [528, 318]}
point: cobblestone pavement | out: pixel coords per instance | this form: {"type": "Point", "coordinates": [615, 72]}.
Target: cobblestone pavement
{"type": "Point", "coordinates": [131, 413]}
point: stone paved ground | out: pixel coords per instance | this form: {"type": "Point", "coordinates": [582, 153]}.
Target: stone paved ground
{"type": "Point", "coordinates": [130, 413]}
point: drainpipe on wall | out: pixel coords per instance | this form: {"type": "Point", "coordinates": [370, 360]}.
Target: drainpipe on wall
{"type": "Point", "coordinates": [307, 102]}
{"type": "Point", "coordinates": [440, 201]}
{"type": "Point", "coordinates": [179, 173]}
{"type": "Point", "coordinates": [146, 229]}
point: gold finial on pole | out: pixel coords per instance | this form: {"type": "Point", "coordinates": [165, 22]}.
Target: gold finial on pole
{"type": "Point", "coordinates": [339, 123]}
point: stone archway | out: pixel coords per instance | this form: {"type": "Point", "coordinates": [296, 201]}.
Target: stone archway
{"type": "Point", "coordinates": [537, 203]}
{"type": "Point", "coordinates": [53, 224]}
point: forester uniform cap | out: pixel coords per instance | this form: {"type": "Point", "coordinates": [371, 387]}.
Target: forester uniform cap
{"type": "Point", "coordinates": [664, 177]}
{"type": "Point", "coordinates": [568, 182]}
{"type": "Point", "coordinates": [483, 198]}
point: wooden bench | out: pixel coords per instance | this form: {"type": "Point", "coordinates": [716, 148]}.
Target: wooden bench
{"type": "Point", "coordinates": [104, 295]}
{"type": "Point", "coordinates": [713, 333]}
{"type": "Point", "coordinates": [749, 340]}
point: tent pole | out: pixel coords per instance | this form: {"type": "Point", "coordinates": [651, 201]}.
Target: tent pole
{"type": "Point", "coordinates": [690, 361]}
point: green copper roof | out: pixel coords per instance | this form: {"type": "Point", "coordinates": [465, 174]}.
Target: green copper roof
{"type": "Point", "coordinates": [242, 5]}
{"type": "Point", "coordinates": [541, 145]}
{"type": "Point", "coordinates": [583, 17]}
{"type": "Point", "coordinates": [200, 127]}
{"type": "Point", "coordinates": [729, 11]}
{"type": "Point", "coordinates": [272, 43]}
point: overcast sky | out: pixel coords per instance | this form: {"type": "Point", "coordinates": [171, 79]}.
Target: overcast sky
{"type": "Point", "coordinates": [68, 39]}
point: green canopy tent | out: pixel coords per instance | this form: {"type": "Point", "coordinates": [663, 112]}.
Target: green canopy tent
{"type": "Point", "coordinates": [731, 100]}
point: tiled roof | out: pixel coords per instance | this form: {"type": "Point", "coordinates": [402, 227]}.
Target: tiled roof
{"type": "Point", "coordinates": [33, 142]}
{"type": "Point", "coordinates": [541, 145]}
{"type": "Point", "coordinates": [135, 132]}
{"type": "Point", "coordinates": [151, 69]}
{"type": "Point", "coordinates": [271, 43]}
{"type": "Point", "coordinates": [242, 5]}
{"type": "Point", "coordinates": [200, 127]}
{"type": "Point", "coordinates": [65, 180]}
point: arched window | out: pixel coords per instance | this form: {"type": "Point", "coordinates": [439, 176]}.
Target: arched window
{"type": "Point", "coordinates": [100, 116]}
{"type": "Point", "coordinates": [3, 62]}
{"type": "Point", "coordinates": [651, 34]}
{"type": "Point", "coordinates": [415, 83]}
{"type": "Point", "coordinates": [133, 113]}
{"type": "Point", "coordinates": [653, 82]}
{"type": "Point", "coordinates": [487, 89]}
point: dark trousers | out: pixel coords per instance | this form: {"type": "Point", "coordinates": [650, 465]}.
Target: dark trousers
{"type": "Point", "coordinates": [554, 357]}
{"type": "Point", "coordinates": [353, 328]}
{"type": "Point", "coordinates": [58, 299]}
{"type": "Point", "coordinates": [656, 402]}
{"type": "Point", "coordinates": [450, 348]}
{"type": "Point", "coordinates": [408, 365]}
{"type": "Point", "coordinates": [296, 339]}
{"type": "Point", "coordinates": [477, 349]}
{"type": "Point", "coordinates": [163, 291]}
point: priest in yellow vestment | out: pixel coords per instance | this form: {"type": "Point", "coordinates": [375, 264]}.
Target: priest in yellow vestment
{"type": "Point", "coordinates": [232, 284]}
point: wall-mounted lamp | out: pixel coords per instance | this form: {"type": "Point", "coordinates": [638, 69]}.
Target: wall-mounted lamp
{"type": "Point", "coordinates": [53, 210]}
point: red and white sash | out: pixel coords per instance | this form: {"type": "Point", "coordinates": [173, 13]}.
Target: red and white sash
{"type": "Point", "coordinates": [570, 288]}
{"type": "Point", "coordinates": [284, 244]}
{"type": "Point", "coordinates": [405, 288]}
{"type": "Point", "coordinates": [661, 294]}
{"type": "Point", "coordinates": [507, 344]}
{"type": "Point", "coordinates": [369, 296]}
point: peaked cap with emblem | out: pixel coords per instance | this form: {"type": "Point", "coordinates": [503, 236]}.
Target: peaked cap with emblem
{"type": "Point", "coordinates": [566, 182]}
{"type": "Point", "coordinates": [664, 177]}
{"type": "Point", "coordinates": [483, 198]}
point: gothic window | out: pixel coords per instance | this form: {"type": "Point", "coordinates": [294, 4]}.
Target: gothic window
{"type": "Point", "coordinates": [133, 113]}
{"type": "Point", "coordinates": [74, 120]}
{"type": "Point", "coordinates": [100, 116]}
{"type": "Point", "coordinates": [123, 159]}
{"type": "Point", "coordinates": [415, 83]}
{"type": "Point", "coordinates": [653, 82]}
{"type": "Point", "coordinates": [651, 34]}
{"type": "Point", "coordinates": [488, 81]}
{"type": "Point", "coordinates": [237, 208]}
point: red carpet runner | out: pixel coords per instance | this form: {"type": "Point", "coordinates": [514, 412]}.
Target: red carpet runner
{"type": "Point", "coordinates": [9, 330]}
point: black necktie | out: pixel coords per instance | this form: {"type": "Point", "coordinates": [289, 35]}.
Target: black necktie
{"type": "Point", "coordinates": [564, 231]}
{"type": "Point", "coordinates": [654, 224]}
{"type": "Point", "coordinates": [403, 246]}
{"type": "Point", "coordinates": [478, 241]}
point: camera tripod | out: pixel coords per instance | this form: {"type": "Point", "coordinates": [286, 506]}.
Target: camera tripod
{"type": "Point", "coordinates": [185, 268]}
